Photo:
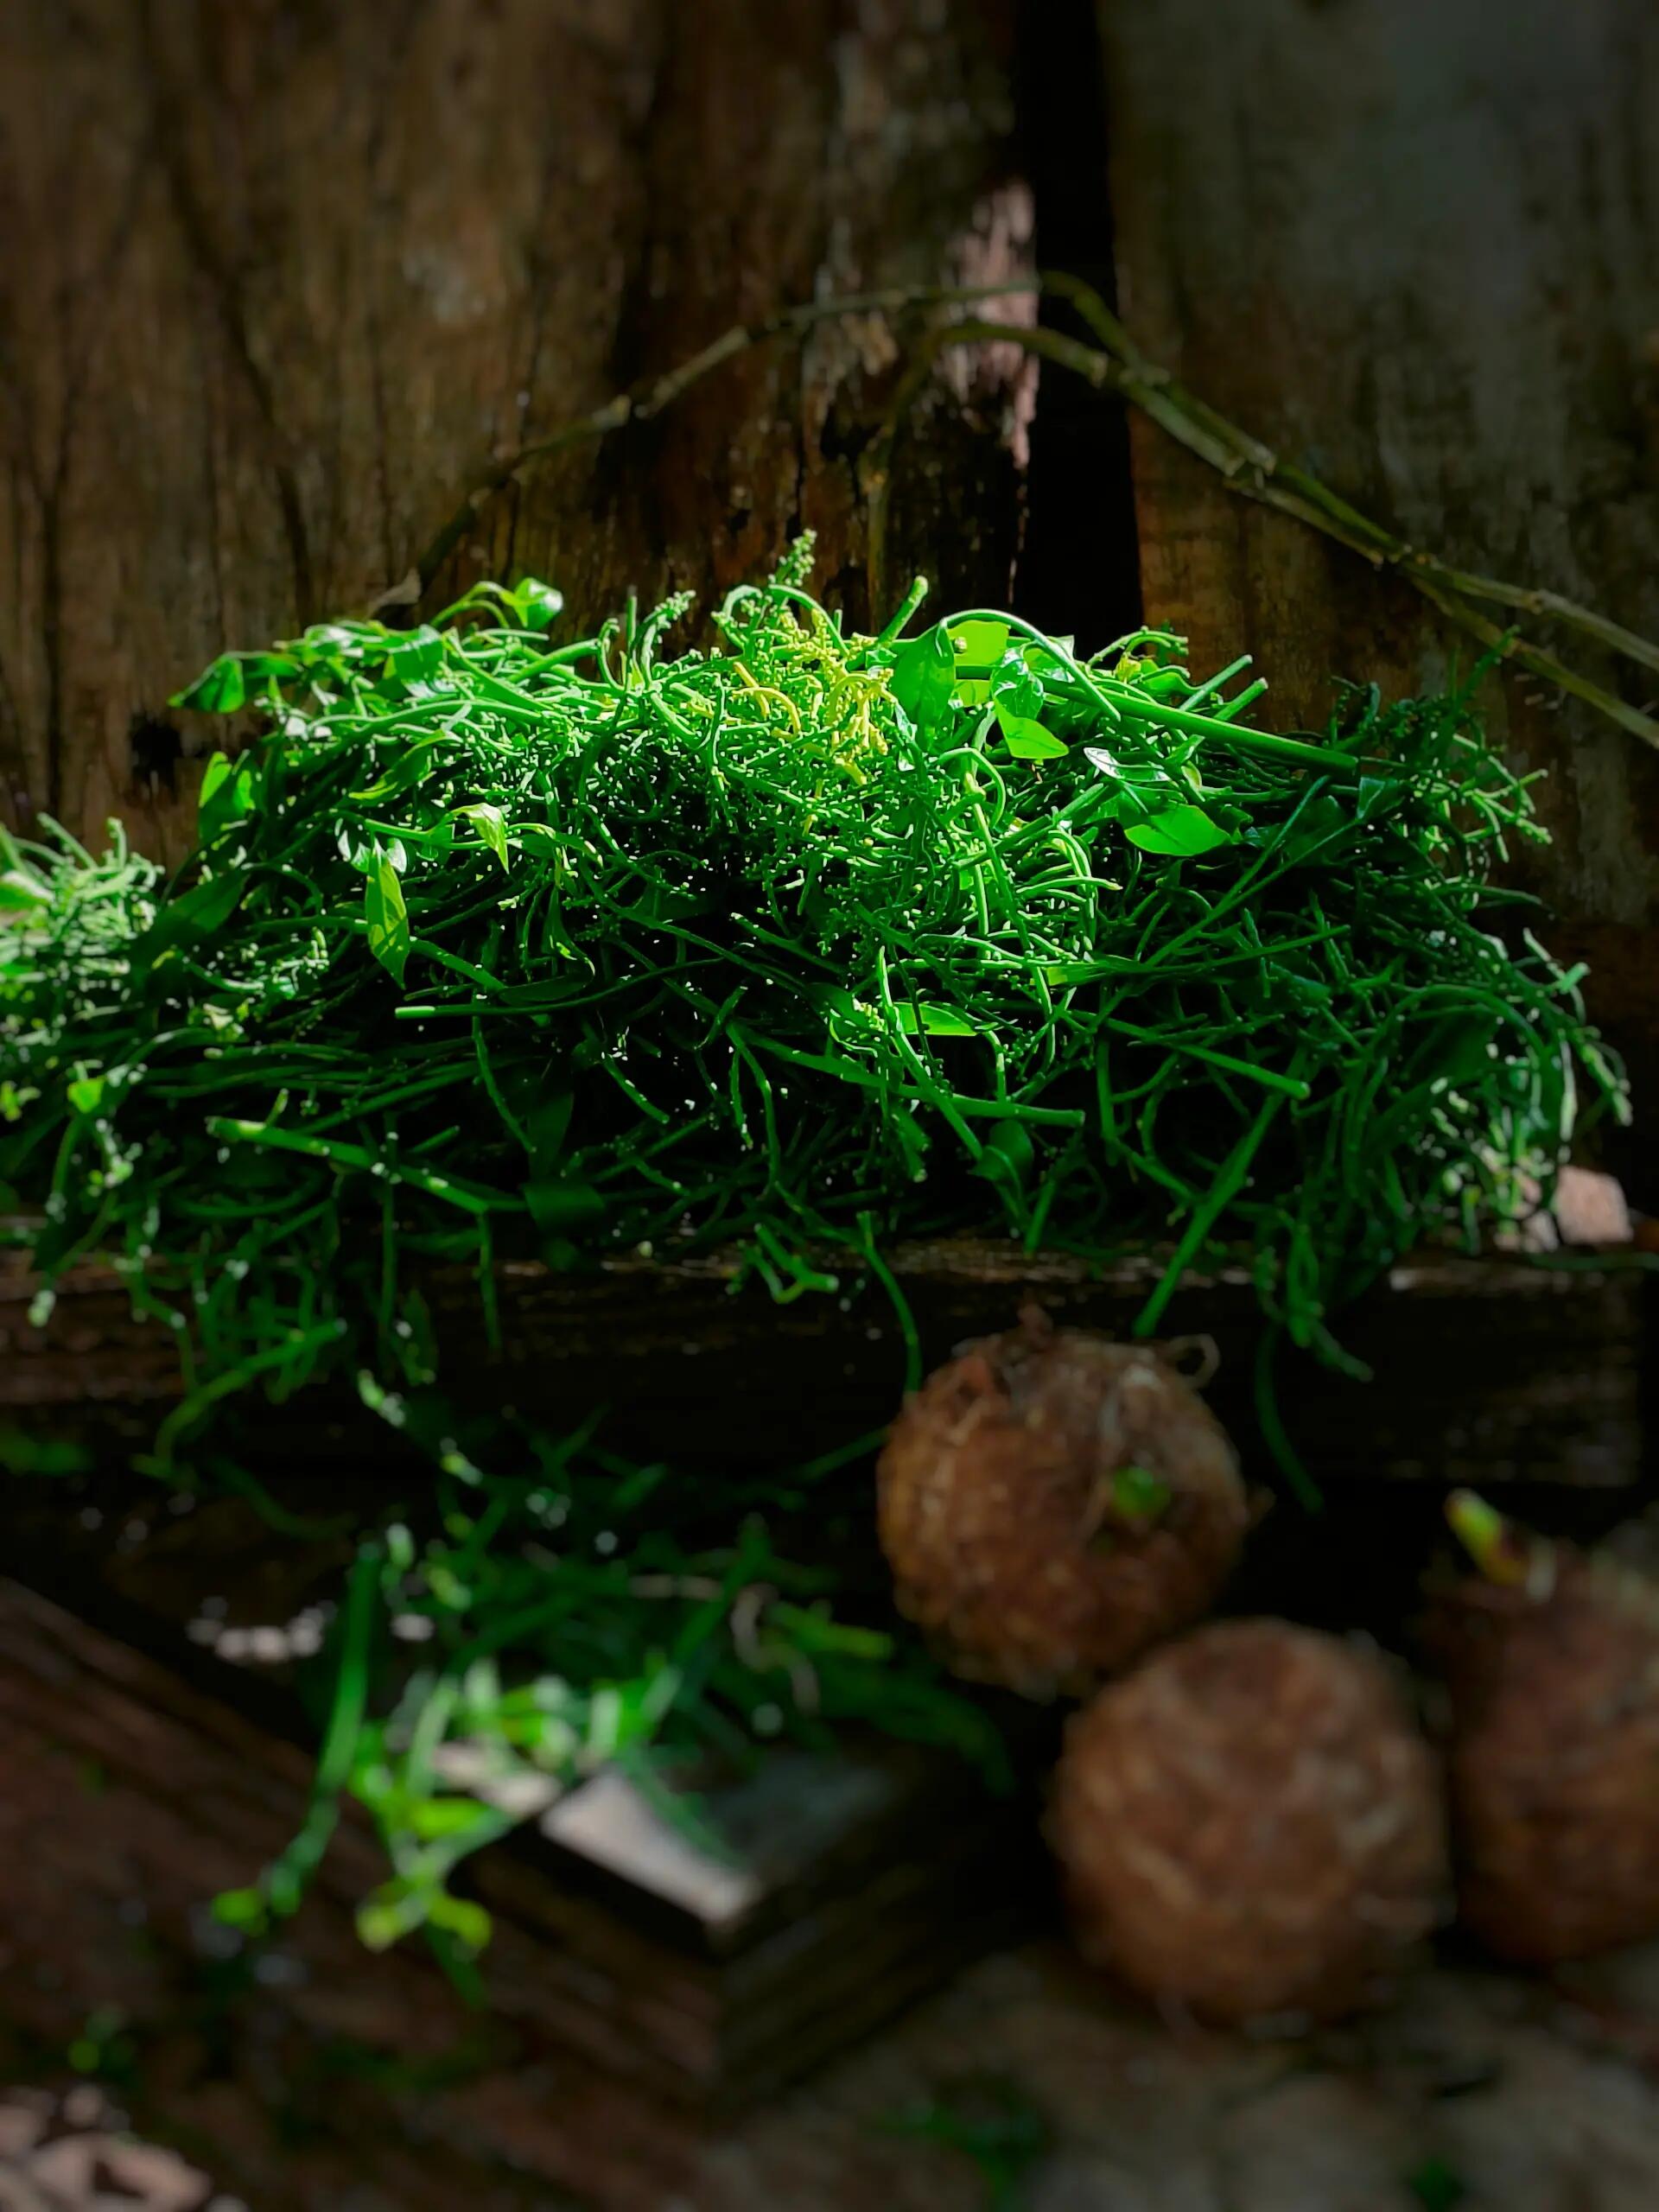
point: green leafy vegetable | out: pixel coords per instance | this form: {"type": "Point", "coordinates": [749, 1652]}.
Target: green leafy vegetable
{"type": "Point", "coordinates": [536, 605]}
{"type": "Point", "coordinates": [795, 941]}
{"type": "Point", "coordinates": [225, 799]}
{"type": "Point", "coordinates": [923, 677]}
{"type": "Point", "coordinates": [415, 655]}
{"type": "Point", "coordinates": [977, 645]}
{"type": "Point", "coordinates": [20, 888]}
{"type": "Point", "coordinates": [490, 825]}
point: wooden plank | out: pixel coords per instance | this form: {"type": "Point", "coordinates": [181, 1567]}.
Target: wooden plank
{"type": "Point", "coordinates": [1417, 251]}
{"type": "Point", "coordinates": [846, 1910]}
{"type": "Point", "coordinates": [1489, 1371]}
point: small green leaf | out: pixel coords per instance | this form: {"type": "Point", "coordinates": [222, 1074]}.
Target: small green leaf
{"type": "Point", "coordinates": [220, 690]}
{"type": "Point", "coordinates": [387, 917]}
{"type": "Point", "coordinates": [331, 645]}
{"type": "Point", "coordinates": [1040, 657]}
{"type": "Point", "coordinates": [1181, 832]}
{"type": "Point", "coordinates": [545, 1113]}
{"type": "Point", "coordinates": [240, 1908]}
{"type": "Point", "coordinates": [1452, 1049]}
{"type": "Point", "coordinates": [557, 1206]}
{"type": "Point", "coordinates": [85, 1094]}
{"type": "Point", "coordinates": [924, 676]}
{"type": "Point", "coordinates": [1027, 740]}
{"type": "Point", "coordinates": [1009, 1154]}
{"type": "Point", "coordinates": [195, 914]}
{"type": "Point", "coordinates": [538, 605]}
{"type": "Point", "coordinates": [1380, 795]}
{"type": "Point", "coordinates": [270, 668]}
{"type": "Point", "coordinates": [935, 1021]}
{"type": "Point", "coordinates": [1142, 786]}
{"type": "Point", "coordinates": [1016, 686]}
{"type": "Point", "coordinates": [415, 654]}
{"type": "Point", "coordinates": [1319, 822]}
{"type": "Point", "coordinates": [978, 644]}
{"type": "Point", "coordinates": [1139, 1495]}
{"type": "Point", "coordinates": [225, 798]}
{"type": "Point", "coordinates": [490, 825]}
{"type": "Point", "coordinates": [217, 772]}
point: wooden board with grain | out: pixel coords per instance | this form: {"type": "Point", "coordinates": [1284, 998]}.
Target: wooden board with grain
{"type": "Point", "coordinates": [658, 1978]}
{"type": "Point", "coordinates": [284, 284]}
{"type": "Point", "coordinates": [1415, 245]}
{"type": "Point", "coordinates": [1488, 1370]}
{"type": "Point", "coordinates": [132, 1797]}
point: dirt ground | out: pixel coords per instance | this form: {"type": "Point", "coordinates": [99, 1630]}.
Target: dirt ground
{"type": "Point", "coordinates": [1026, 2087]}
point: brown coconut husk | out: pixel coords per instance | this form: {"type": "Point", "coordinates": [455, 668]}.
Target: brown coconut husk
{"type": "Point", "coordinates": [1551, 1659]}
{"type": "Point", "coordinates": [1251, 1826]}
{"type": "Point", "coordinates": [1052, 1502]}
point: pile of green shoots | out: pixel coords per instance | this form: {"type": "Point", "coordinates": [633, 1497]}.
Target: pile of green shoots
{"type": "Point", "coordinates": [799, 944]}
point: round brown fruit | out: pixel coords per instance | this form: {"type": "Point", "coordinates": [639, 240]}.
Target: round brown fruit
{"type": "Point", "coordinates": [1552, 1664]}
{"type": "Point", "coordinates": [1250, 1827]}
{"type": "Point", "coordinates": [1052, 1502]}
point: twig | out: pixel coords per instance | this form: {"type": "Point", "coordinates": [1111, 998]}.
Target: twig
{"type": "Point", "coordinates": [1295, 492]}
{"type": "Point", "coordinates": [1341, 520]}
{"type": "Point", "coordinates": [652, 394]}
{"type": "Point", "coordinates": [1114, 364]}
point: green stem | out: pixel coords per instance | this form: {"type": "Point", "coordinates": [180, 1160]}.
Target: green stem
{"type": "Point", "coordinates": [1217, 1199]}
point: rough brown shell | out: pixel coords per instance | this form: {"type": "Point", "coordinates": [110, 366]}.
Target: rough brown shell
{"type": "Point", "coordinates": [1249, 1825]}
{"type": "Point", "coordinates": [999, 1519]}
{"type": "Point", "coordinates": [1553, 1763]}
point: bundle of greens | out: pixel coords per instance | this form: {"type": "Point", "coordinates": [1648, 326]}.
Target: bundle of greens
{"type": "Point", "coordinates": [802, 943]}
{"type": "Point", "coordinates": [798, 944]}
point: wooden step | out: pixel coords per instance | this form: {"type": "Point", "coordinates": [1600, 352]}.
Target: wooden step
{"type": "Point", "coordinates": [1489, 1371]}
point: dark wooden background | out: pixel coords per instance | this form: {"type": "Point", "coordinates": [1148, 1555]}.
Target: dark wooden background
{"type": "Point", "coordinates": [1415, 244]}
{"type": "Point", "coordinates": [282, 281]}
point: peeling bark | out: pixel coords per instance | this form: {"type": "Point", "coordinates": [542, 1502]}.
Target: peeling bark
{"type": "Point", "coordinates": [286, 279]}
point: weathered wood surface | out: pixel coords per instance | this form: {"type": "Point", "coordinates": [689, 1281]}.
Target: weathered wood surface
{"type": "Point", "coordinates": [1414, 247]}
{"type": "Point", "coordinates": [615, 2034]}
{"type": "Point", "coordinates": [284, 282]}
{"type": "Point", "coordinates": [333, 2081]}
{"type": "Point", "coordinates": [1485, 1370]}
{"type": "Point", "coordinates": [844, 1882]}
